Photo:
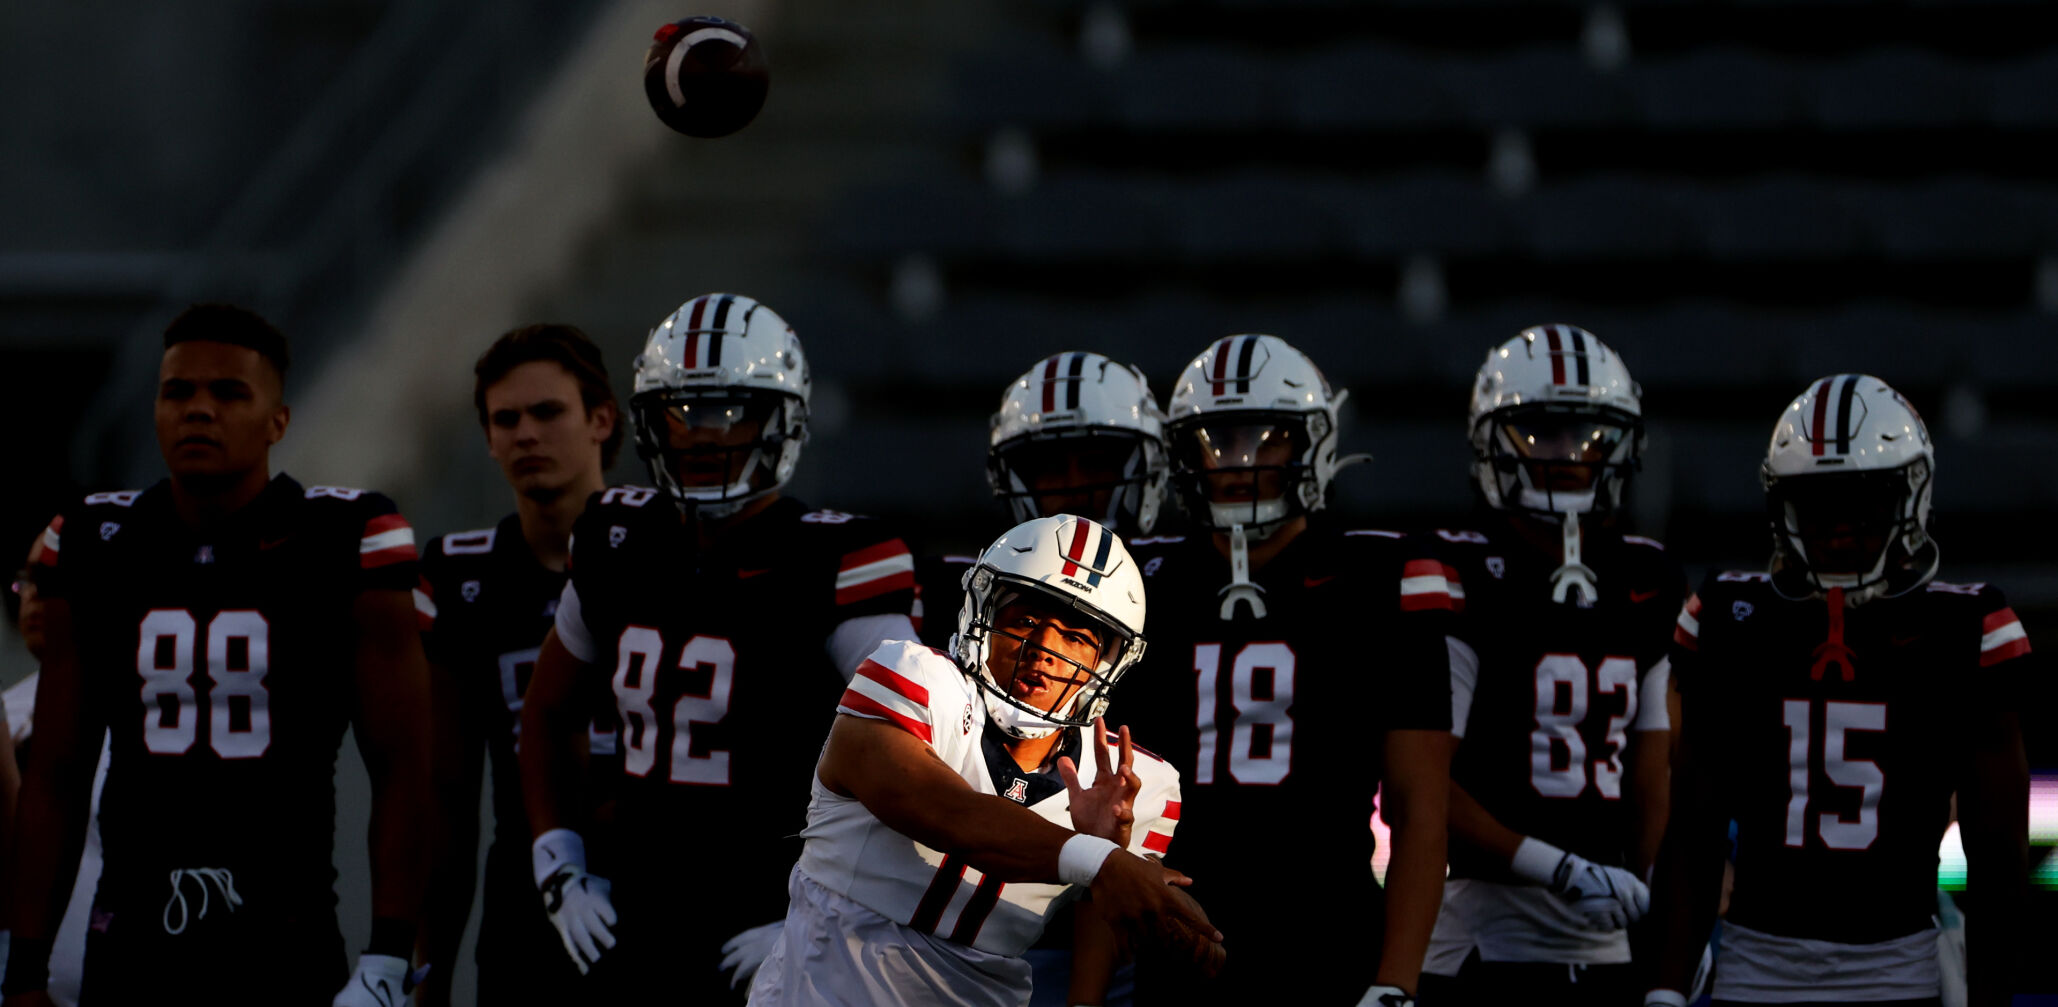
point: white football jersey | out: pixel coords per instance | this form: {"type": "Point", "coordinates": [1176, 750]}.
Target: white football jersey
{"type": "Point", "coordinates": [852, 853]}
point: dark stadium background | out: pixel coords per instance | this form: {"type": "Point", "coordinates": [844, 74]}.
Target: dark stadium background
{"type": "Point", "coordinates": [1738, 195]}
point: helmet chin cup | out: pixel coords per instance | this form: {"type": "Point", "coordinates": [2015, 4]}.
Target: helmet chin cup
{"type": "Point", "coordinates": [1573, 581]}
{"type": "Point", "coordinates": [1240, 589]}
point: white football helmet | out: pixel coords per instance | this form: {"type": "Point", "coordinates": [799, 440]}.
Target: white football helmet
{"type": "Point", "coordinates": [1070, 562]}
{"type": "Point", "coordinates": [720, 362]}
{"type": "Point", "coordinates": [1847, 481]}
{"type": "Point", "coordinates": [1560, 384]}
{"type": "Point", "coordinates": [1064, 411]}
{"type": "Point", "coordinates": [1234, 402]}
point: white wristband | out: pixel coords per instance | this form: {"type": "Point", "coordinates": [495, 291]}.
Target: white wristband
{"type": "Point", "coordinates": [1664, 998]}
{"type": "Point", "coordinates": [1080, 858]}
{"type": "Point", "coordinates": [1537, 862]}
{"type": "Point", "coordinates": [555, 849]}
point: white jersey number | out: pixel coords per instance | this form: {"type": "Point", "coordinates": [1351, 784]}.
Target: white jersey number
{"type": "Point", "coordinates": [635, 684]}
{"type": "Point", "coordinates": [1258, 717]}
{"type": "Point", "coordinates": [1863, 775]}
{"type": "Point", "coordinates": [1560, 712]}
{"type": "Point", "coordinates": [166, 652]}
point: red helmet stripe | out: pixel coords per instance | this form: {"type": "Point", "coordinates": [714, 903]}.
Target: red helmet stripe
{"type": "Point", "coordinates": [1557, 358]}
{"type": "Point", "coordinates": [1050, 384]}
{"type": "Point", "coordinates": [1222, 363]}
{"type": "Point", "coordinates": [1078, 549]}
{"type": "Point", "coordinates": [1817, 432]}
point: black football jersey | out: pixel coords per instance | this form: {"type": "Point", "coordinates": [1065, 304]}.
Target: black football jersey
{"type": "Point", "coordinates": [939, 595]}
{"type": "Point", "coordinates": [223, 662]}
{"type": "Point", "coordinates": [1276, 726]}
{"type": "Point", "coordinates": [1835, 736]}
{"type": "Point", "coordinates": [1558, 689]}
{"type": "Point", "coordinates": [722, 684]}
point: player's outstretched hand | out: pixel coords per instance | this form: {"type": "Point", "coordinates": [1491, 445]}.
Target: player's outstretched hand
{"type": "Point", "coordinates": [1144, 898]}
{"type": "Point", "coordinates": [1108, 808]}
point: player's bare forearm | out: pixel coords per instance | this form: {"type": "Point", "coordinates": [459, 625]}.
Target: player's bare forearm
{"type": "Point", "coordinates": [392, 726]}
{"type": "Point", "coordinates": [1993, 813]}
{"type": "Point", "coordinates": [57, 787]}
{"type": "Point", "coordinates": [1097, 950]}
{"type": "Point", "coordinates": [459, 759]}
{"type": "Point", "coordinates": [553, 747]}
{"type": "Point", "coordinates": [1416, 805]}
{"type": "Point", "coordinates": [899, 779]}
{"type": "Point", "coordinates": [1472, 823]}
{"type": "Point", "coordinates": [1650, 782]}
{"type": "Point", "coordinates": [1688, 878]}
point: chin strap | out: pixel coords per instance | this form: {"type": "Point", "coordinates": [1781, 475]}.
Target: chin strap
{"type": "Point", "coordinates": [1240, 588]}
{"type": "Point", "coordinates": [1574, 581]}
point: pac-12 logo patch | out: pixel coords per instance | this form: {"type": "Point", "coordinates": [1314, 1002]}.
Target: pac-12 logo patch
{"type": "Point", "coordinates": [107, 530]}
{"type": "Point", "coordinates": [470, 590]}
{"type": "Point", "coordinates": [1496, 566]}
{"type": "Point", "coordinates": [1150, 569]}
{"type": "Point", "coordinates": [615, 535]}
{"type": "Point", "coordinates": [1741, 610]}
{"type": "Point", "coordinates": [1018, 791]}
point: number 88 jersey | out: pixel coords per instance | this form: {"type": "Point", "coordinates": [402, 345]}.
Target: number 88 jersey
{"type": "Point", "coordinates": [222, 662]}
{"type": "Point", "coordinates": [1276, 724]}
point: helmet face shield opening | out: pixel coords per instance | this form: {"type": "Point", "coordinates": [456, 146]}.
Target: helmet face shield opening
{"type": "Point", "coordinates": [1560, 459]}
{"type": "Point", "coordinates": [1047, 656]}
{"type": "Point", "coordinates": [1244, 469]}
{"type": "Point", "coordinates": [1098, 472]}
{"type": "Point", "coordinates": [1846, 525]}
{"type": "Point", "coordinates": [719, 445]}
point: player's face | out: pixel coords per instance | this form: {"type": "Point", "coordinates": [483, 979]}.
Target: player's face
{"type": "Point", "coordinates": [1078, 476]}
{"type": "Point", "coordinates": [219, 409]}
{"type": "Point", "coordinates": [1241, 462]}
{"type": "Point", "coordinates": [711, 438]}
{"type": "Point", "coordinates": [30, 619]}
{"type": "Point", "coordinates": [539, 430]}
{"type": "Point", "coordinates": [1042, 653]}
{"type": "Point", "coordinates": [1844, 521]}
{"type": "Point", "coordinates": [1580, 442]}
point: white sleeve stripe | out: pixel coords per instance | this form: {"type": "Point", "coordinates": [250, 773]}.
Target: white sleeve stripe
{"type": "Point", "coordinates": [386, 540]}
{"type": "Point", "coordinates": [50, 540]}
{"type": "Point", "coordinates": [903, 563]}
{"type": "Point", "coordinates": [1690, 624]}
{"type": "Point", "coordinates": [571, 626]}
{"type": "Point", "coordinates": [1651, 712]}
{"type": "Point", "coordinates": [878, 693]}
{"type": "Point", "coordinates": [423, 605]}
{"type": "Point", "coordinates": [1464, 680]}
{"type": "Point", "coordinates": [1427, 583]}
{"type": "Point", "coordinates": [2002, 636]}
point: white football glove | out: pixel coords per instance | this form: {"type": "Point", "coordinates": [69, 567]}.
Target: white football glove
{"type": "Point", "coordinates": [578, 903]}
{"type": "Point", "coordinates": [747, 950]}
{"type": "Point", "coordinates": [1609, 898]}
{"type": "Point", "coordinates": [1386, 996]}
{"type": "Point", "coordinates": [380, 981]}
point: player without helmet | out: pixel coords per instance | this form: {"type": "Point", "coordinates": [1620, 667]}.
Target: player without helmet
{"type": "Point", "coordinates": [1083, 434]}
{"type": "Point", "coordinates": [1557, 427]}
{"type": "Point", "coordinates": [1847, 482]}
{"type": "Point", "coordinates": [721, 403]}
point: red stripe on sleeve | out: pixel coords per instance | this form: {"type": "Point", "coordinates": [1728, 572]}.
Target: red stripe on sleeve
{"type": "Point", "coordinates": [1683, 638]}
{"type": "Point", "coordinates": [1157, 842]}
{"type": "Point", "coordinates": [896, 681]}
{"type": "Point", "coordinates": [1425, 602]}
{"type": "Point", "coordinates": [1425, 568]}
{"type": "Point", "coordinates": [2011, 649]}
{"type": "Point", "coordinates": [1171, 810]}
{"type": "Point", "coordinates": [859, 703]}
{"type": "Point", "coordinates": [902, 581]}
{"type": "Point", "coordinates": [1997, 619]}
{"type": "Point", "coordinates": [383, 523]}
{"type": "Point", "coordinates": [874, 553]}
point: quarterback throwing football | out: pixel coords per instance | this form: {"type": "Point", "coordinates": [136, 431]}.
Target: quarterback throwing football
{"type": "Point", "coordinates": [937, 841]}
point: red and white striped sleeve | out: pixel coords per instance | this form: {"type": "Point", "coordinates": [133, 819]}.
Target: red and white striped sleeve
{"type": "Point", "coordinates": [1687, 633]}
{"type": "Point", "coordinates": [387, 540]}
{"type": "Point", "coordinates": [1428, 584]}
{"type": "Point", "coordinates": [2001, 638]}
{"type": "Point", "coordinates": [873, 574]}
{"type": "Point", "coordinates": [425, 605]}
{"type": "Point", "coordinates": [1157, 804]}
{"type": "Point", "coordinates": [892, 686]}
{"type": "Point", "coordinates": [51, 539]}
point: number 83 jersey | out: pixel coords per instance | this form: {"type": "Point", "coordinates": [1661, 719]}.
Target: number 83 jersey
{"type": "Point", "coordinates": [222, 662]}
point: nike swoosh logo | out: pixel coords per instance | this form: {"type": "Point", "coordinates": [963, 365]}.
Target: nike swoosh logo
{"type": "Point", "coordinates": [747, 574]}
{"type": "Point", "coordinates": [1317, 581]}
{"type": "Point", "coordinates": [1639, 597]}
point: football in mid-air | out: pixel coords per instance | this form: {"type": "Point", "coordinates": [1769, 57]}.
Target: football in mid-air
{"type": "Point", "coordinates": [705, 76]}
